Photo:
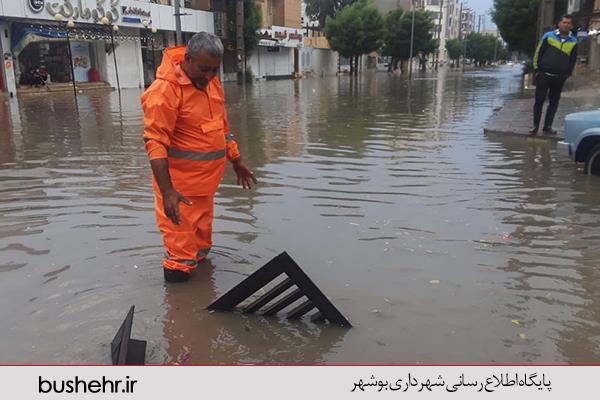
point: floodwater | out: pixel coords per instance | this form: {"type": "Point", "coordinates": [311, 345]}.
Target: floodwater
{"type": "Point", "coordinates": [439, 244]}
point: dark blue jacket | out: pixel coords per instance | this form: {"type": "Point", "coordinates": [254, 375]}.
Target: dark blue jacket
{"type": "Point", "coordinates": [556, 55]}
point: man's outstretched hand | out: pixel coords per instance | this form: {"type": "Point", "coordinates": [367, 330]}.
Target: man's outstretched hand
{"type": "Point", "coordinates": [245, 177]}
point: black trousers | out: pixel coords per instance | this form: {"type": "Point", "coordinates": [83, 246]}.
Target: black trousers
{"type": "Point", "coordinates": [551, 87]}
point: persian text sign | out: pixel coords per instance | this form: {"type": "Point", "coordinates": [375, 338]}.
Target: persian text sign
{"type": "Point", "coordinates": [78, 10]}
{"type": "Point", "coordinates": [281, 36]}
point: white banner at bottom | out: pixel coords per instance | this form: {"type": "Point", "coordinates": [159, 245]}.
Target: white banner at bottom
{"type": "Point", "coordinates": [296, 382]}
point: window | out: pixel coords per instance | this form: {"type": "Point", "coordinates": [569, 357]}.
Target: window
{"type": "Point", "coordinates": [433, 2]}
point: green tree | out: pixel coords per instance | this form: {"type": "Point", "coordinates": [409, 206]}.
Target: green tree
{"type": "Point", "coordinates": [484, 48]}
{"type": "Point", "coordinates": [502, 52]}
{"type": "Point", "coordinates": [321, 9]}
{"type": "Point", "coordinates": [356, 30]}
{"type": "Point", "coordinates": [252, 20]}
{"type": "Point", "coordinates": [455, 49]}
{"type": "Point", "coordinates": [397, 33]}
{"type": "Point", "coordinates": [517, 23]}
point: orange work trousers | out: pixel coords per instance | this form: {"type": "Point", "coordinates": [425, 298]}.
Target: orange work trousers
{"type": "Point", "coordinates": [189, 242]}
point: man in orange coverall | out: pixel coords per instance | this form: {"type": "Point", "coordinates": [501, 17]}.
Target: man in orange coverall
{"type": "Point", "coordinates": [188, 142]}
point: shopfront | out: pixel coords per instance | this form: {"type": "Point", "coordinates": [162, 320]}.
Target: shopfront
{"type": "Point", "coordinates": [118, 42]}
{"type": "Point", "coordinates": [277, 55]}
{"type": "Point", "coordinates": [87, 50]}
{"type": "Point", "coordinates": [46, 48]}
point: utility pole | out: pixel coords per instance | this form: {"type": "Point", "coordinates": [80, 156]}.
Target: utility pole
{"type": "Point", "coordinates": [178, 39]}
{"type": "Point", "coordinates": [412, 39]}
{"type": "Point", "coordinates": [460, 29]}
{"type": "Point", "coordinates": [496, 47]}
{"type": "Point", "coordinates": [239, 34]}
{"type": "Point", "coordinates": [439, 35]}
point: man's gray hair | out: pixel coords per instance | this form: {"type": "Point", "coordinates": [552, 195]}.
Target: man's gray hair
{"type": "Point", "coordinates": [207, 42]}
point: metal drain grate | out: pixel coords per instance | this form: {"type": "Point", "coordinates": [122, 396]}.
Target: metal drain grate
{"type": "Point", "coordinates": [124, 350]}
{"type": "Point", "coordinates": [296, 278]}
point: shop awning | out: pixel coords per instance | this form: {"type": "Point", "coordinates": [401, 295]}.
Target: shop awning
{"type": "Point", "coordinates": [23, 35]}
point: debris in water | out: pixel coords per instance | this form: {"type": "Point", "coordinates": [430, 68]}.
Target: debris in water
{"type": "Point", "coordinates": [434, 281]}
{"type": "Point", "coordinates": [523, 336]}
{"type": "Point", "coordinates": [515, 321]}
{"type": "Point", "coordinates": [375, 311]}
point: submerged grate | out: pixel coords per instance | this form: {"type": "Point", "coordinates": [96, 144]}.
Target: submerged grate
{"type": "Point", "coordinates": [296, 278]}
{"type": "Point", "coordinates": [124, 350]}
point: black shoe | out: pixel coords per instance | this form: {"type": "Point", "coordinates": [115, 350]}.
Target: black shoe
{"type": "Point", "coordinates": [549, 131]}
{"type": "Point", "coordinates": [173, 275]}
{"type": "Point", "coordinates": [533, 132]}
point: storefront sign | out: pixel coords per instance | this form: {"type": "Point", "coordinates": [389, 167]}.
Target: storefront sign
{"type": "Point", "coordinates": [135, 15]}
{"type": "Point", "coordinates": [76, 10]}
{"type": "Point", "coordinates": [36, 5]}
{"type": "Point", "coordinates": [282, 37]}
{"type": "Point", "coordinates": [136, 11]}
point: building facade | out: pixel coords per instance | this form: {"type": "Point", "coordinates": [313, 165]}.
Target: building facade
{"type": "Point", "coordinates": [277, 55]}
{"type": "Point", "coordinates": [445, 15]}
{"type": "Point", "coordinates": [34, 34]}
{"type": "Point", "coordinates": [385, 6]}
{"type": "Point", "coordinates": [439, 10]}
{"type": "Point", "coordinates": [317, 58]}
{"type": "Point", "coordinates": [467, 21]}
{"type": "Point", "coordinates": [587, 17]}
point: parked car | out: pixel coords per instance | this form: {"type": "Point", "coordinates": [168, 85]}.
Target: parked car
{"type": "Point", "coordinates": [582, 139]}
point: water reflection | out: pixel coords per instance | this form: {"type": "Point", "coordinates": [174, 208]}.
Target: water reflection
{"type": "Point", "coordinates": [197, 336]}
{"type": "Point", "coordinates": [430, 237]}
{"type": "Point", "coordinates": [552, 250]}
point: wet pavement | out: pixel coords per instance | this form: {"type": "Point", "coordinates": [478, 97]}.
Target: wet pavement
{"type": "Point", "coordinates": [515, 117]}
{"type": "Point", "coordinates": [440, 244]}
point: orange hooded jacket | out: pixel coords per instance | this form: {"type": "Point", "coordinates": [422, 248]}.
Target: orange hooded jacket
{"type": "Point", "coordinates": [188, 126]}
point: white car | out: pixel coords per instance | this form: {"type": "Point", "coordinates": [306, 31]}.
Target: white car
{"type": "Point", "coordinates": [582, 139]}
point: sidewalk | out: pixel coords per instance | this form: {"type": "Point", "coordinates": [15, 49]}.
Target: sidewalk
{"type": "Point", "coordinates": [515, 117]}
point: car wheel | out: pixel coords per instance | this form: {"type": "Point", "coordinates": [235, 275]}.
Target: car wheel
{"type": "Point", "coordinates": [592, 161]}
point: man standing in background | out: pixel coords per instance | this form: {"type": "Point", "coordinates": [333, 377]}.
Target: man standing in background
{"type": "Point", "coordinates": [553, 62]}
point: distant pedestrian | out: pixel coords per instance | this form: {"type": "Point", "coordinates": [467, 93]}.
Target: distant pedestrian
{"type": "Point", "coordinates": [553, 62]}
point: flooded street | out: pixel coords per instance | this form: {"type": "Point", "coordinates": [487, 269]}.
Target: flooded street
{"type": "Point", "coordinates": [439, 244]}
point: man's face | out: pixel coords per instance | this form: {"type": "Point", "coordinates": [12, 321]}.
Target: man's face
{"type": "Point", "coordinates": [201, 68]}
{"type": "Point", "coordinates": [565, 25]}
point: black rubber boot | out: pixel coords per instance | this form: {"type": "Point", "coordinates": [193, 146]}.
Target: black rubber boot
{"type": "Point", "coordinates": [173, 275]}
